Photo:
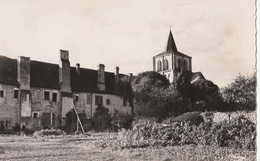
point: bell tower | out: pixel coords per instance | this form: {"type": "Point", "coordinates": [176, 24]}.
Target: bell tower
{"type": "Point", "coordinates": [171, 63]}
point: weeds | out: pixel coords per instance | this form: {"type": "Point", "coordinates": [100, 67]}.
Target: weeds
{"type": "Point", "coordinates": [238, 133]}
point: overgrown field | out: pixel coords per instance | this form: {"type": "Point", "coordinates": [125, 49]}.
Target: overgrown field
{"type": "Point", "coordinates": [68, 147]}
{"type": "Point", "coordinates": [218, 137]}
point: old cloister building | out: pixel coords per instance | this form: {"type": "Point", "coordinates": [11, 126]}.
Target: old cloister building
{"type": "Point", "coordinates": [40, 94]}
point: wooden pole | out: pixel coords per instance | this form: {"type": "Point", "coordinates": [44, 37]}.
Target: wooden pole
{"type": "Point", "coordinates": [78, 120]}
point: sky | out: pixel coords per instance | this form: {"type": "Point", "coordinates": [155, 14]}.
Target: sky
{"type": "Point", "coordinates": [219, 35]}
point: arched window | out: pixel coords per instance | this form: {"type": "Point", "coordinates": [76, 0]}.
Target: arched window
{"type": "Point", "coordinates": [185, 65]}
{"type": "Point", "coordinates": [159, 65]}
{"type": "Point", "coordinates": [165, 64]}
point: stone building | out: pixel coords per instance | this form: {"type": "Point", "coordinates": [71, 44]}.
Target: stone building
{"type": "Point", "coordinates": [40, 94]}
{"type": "Point", "coordinates": [171, 63]}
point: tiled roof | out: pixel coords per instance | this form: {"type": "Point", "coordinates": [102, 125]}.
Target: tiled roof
{"type": "Point", "coordinates": [8, 71]}
{"type": "Point", "coordinates": [44, 75]}
{"type": "Point", "coordinates": [86, 81]}
{"type": "Point", "coordinates": [196, 76]}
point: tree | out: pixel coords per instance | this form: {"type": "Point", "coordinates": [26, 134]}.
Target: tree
{"type": "Point", "coordinates": [124, 89]}
{"type": "Point", "coordinates": [71, 120]}
{"type": "Point", "coordinates": [241, 93]}
{"type": "Point", "coordinates": [185, 87]}
{"type": "Point", "coordinates": [154, 96]}
{"type": "Point", "coordinates": [203, 94]}
{"type": "Point", "coordinates": [101, 118]}
{"type": "Point", "coordinates": [146, 83]}
{"type": "Point", "coordinates": [207, 91]}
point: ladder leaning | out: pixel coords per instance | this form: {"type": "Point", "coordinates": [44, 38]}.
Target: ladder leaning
{"type": "Point", "coordinates": [78, 119]}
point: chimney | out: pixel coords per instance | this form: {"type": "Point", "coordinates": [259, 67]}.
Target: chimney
{"type": "Point", "coordinates": [23, 72]}
{"type": "Point", "coordinates": [101, 77]}
{"type": "Point", "coordinates": [64, 71]}
{"type": "Point", "coordinates": [117, 79]}
{"type": "Point", "coordinates": [78, 68]}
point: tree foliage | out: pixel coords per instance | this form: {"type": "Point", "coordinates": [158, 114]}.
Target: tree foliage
{"type": "Point", "coordinates": [203, 94]}
{"type": "Point", "coordinates": [101, 119]}
{"type": "Point", "coordinates": [155, 96]}
{"type": "Point", "coordinates": [241, 93]}
{"type": "Point", "coordinates": [208, 92]}
{"type": "Point", "coordinates": [71, 120]}
{"type": "Point", "coordinates": [124, 89]}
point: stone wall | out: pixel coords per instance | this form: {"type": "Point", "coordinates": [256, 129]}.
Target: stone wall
{"type": "Point", "coordinates": [116, 103]}
{"type": "Point", "coordinates": [9, 106]}
{"type": "Point", "coordinates": [41, 105]}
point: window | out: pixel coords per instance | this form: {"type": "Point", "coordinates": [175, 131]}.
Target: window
{"type": "Point", "coordinates": [165, 64]}
{"type": "Point", "coordinates": [46, 95]}
{"type": "Point", "coordinates": [124, 101]}
{"type": "Point", "coordinates": [16, 92]}
{"type": "Point", "coordinates": [1, 93]}
{"type": "Point", "coordinates": [108, 101]}
{"type": "Point", "coordinates": [99, 100]}
{"type": "Point", "coordinates": [54, 97]}
{"type": "Point", "coordinates": [159, 65]}
{"type": "Point", "coordinates": [88, 98]}
{"type": "Point", "coordinates": [35, 115]}
{"type": "Point", "coordinates": [76, 97]}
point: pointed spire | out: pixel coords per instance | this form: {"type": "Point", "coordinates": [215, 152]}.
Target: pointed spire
{"type": "Point", "coordinates": [171, 46]}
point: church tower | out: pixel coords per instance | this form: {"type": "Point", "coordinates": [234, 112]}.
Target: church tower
{"type": "Point", "coordinates": [171, 63]}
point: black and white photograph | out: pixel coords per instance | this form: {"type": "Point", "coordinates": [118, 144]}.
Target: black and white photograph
{"type": "Point", "coordinates": [105, 80]}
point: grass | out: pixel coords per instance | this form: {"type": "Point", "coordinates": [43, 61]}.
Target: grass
{"type": "Point", "coordinates": [82, 148]}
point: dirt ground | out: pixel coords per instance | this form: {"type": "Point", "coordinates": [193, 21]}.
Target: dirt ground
{"type": "Point", "coordinates": [82, 148]}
